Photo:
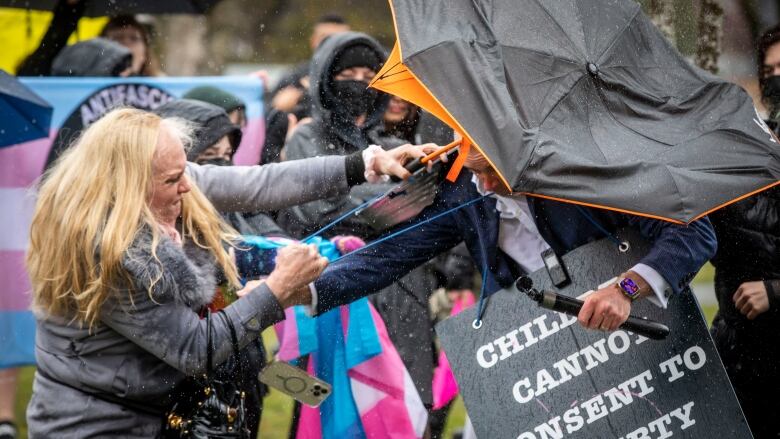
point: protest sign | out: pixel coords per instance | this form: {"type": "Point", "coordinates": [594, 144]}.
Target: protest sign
{"type": "Point", "coordinates": [77, 102]}
{"type": "Point", "coordinates": [529, 373]}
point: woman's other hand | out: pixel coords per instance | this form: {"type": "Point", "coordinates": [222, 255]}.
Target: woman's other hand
{"type": "Point", "coordinates": [297, 265]}
{"type": "Point", "coordinates": [249, 286]}
{"type": "Point", "coordinates": [751, 299]}
{"type": "Point", "coordinates": [392, 162]}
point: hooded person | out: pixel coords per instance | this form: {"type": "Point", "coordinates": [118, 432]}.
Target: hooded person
{"type": "Point", "coordinates": [232, 104]}
{"type": "Point", "coordinates": [347, 116]}
{"type": "Point", "coordinates": [746, 328]}
{"type": "Point", "coordinates": [93, 57]}
{"type": "Point", "coordinates": [212, 127]}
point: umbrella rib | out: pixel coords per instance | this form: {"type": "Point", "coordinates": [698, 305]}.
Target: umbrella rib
{"type": "Point", "coordinates": [539, 52]}
{"type": "Point", "coordinates": [619, 34]}
{"type": "Point", "coordinates": [559, 101]}
{"type": "Point", "coordinates": [612, 115]}
{"type": "Point", "coordinates": [541, 5]}
{"type": "Point", "coordinates": [677, 187]}
{"type": "Point", "coordinates": [553, 78]}
{"type": "Point", "coordinates": [388, 74]}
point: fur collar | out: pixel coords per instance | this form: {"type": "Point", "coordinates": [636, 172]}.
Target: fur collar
{"type": "Point", "coordinates": [186, 274]}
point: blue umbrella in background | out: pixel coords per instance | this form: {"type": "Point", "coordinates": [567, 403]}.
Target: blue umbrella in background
{"type": "Point", "coordinates": [25, 116]}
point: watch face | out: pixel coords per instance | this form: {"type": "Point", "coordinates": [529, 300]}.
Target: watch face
{"type": "Point", "coordinates": [629, 287]}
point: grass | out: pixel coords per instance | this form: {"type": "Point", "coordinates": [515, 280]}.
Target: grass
{"type": "Point", "coordinates": [277, 410]}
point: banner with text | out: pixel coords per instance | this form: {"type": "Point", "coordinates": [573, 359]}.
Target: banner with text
{"type": "Point", "coordinates": [78, 102]}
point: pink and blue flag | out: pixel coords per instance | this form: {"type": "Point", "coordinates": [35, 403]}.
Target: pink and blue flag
{"type": "Point", "coordinates": [373, 394]}
{"type": "Point", "coordinates": [78, 102]}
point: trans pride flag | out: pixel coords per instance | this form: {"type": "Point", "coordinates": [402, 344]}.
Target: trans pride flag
{"type": "Point", "coordinates": [373, 394]}
{"type": "Point", "coordinates": [78, 102]}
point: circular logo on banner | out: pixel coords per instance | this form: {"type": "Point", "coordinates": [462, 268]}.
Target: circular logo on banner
{"type": "Point", "coordinates": [100, 102]}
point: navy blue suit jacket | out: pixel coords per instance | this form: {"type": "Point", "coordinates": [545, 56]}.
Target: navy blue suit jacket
{"type": "Point", "coordinates": [678, 252]}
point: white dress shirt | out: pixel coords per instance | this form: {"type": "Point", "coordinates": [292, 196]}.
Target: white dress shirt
{"type": "Point", "coordinates": [519, 238]}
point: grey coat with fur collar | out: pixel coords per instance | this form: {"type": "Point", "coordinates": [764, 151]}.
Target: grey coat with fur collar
{"type": "Point", "coordinates": [140, 349]}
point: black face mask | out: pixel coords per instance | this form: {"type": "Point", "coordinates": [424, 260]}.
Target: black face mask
{"type": "Point", "coordinates": [218, 161]}
{"type": "Point", "coordinates": [353, 98]}
{"type": "Point", "coordinates": [771, 91]}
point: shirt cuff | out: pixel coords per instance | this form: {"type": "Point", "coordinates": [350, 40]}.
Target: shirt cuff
{"type": "Point", "coordinates": [311, 310]}
{"type": "Point", "coordinates": [660, 286]}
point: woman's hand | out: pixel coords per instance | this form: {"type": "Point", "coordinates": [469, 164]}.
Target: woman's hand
{"type": "Point", "coordinates": [751, 299]}
{"type": "Point", "coordinates": [297, 265]}
{"type": "Point", "coordinates": [249, 286]}
{"type": "Point", "coordinates": [392, 162]}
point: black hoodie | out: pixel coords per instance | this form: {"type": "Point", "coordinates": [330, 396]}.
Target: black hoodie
{"type": "Point", "coordinates": [211, 124]}
{"type": "Point", "coordinates": [330, 134]}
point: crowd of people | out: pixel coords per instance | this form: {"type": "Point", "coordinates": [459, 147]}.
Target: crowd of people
{"type": "Point", "coordinates": [143, 287]}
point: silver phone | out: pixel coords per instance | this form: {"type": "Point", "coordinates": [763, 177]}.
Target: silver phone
{"type": "Point", "coordinates": [295, 382]}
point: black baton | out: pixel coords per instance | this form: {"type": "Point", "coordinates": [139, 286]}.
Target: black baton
{"type": "Point", "coordinates": [568, 305]}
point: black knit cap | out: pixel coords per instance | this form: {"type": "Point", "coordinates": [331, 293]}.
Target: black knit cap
{"type": "Point", "coordinates": [356, 55]}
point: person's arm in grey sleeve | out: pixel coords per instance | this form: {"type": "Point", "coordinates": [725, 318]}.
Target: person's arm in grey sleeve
{"type": "Point", "coordinates": [277, 185]}
{"type": "Point", "coordinates": [172, 332]}
{"type": "Point", "coordinates": [154, 315]}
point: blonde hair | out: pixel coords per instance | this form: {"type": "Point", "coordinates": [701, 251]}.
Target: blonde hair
{"type": "Point", "coordinates": [93, 203]}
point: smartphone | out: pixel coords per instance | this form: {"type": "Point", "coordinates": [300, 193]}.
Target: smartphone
{"type": "Point", "coordinates": [555, 268]}
{"type": "Point", "coordinates": [295, 382]}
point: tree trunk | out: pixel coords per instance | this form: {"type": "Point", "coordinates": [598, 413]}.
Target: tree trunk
{"type": "Point", "coordinates": [710, 27]}
{"type": "Point", "coordinates": [661, 13]}
{"type": "Point", "coordinates": [183, 44]}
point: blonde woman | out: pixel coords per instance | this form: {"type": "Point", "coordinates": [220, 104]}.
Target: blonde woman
{"type": "Point", "coordinates": [123, 250]}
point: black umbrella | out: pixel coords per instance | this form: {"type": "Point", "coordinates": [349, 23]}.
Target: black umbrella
{"type": "Point", "coordinates": [25, 115]}
{"type": "Point", "coordinates": [582, 101]}
{"type": "Point", "coordinates": [103, 8]}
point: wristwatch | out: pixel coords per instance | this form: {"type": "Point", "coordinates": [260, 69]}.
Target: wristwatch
{"type": "Point", "coordinates": [629, 288]}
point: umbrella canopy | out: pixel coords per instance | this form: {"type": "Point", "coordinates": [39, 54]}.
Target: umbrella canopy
{"type": "Point", "coordinates": [25, 115]}
{"type": "Point", "coordinates": [583, 102]}
{"type": "Point", "coordinates": [103, 8]}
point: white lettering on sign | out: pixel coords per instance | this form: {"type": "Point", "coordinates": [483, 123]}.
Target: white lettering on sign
{"type": "Point", "coordinates": [514, 341]}
{"type": "Point", "coordinates": [593, 409]}
{"type": "Point", "coordinates": [657, 429]}
{"type": "Point", "coordinates": [660, 428]}
{"type": "Point", "coordinates": [564, 370]}
{"type": "Point", "coordinates": [694, 358]}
